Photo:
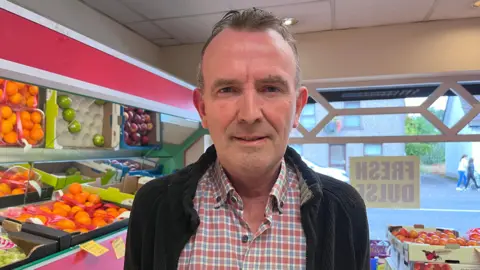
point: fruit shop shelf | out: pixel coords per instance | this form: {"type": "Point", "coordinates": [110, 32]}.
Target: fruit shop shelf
{"type": "Point", "coordinates": [16, 155]}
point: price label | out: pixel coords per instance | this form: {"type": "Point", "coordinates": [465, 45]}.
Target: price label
{"type": "Point", "coordinates": [94, 248]}
{"type": "Point", "coordinates": [119, 247]}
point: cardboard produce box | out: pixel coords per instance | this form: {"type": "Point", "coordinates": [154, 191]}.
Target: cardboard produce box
{"type": "Point", "coordinates": [54, 174]}
{"type": "Point", "coordinates": [404, 253]}
{"type": "Point", "coordinates": [35, 247]}
{"type": "Point", "coordinates": [154, 135]}
{"type": "Point", "coordinates": [94, 119]}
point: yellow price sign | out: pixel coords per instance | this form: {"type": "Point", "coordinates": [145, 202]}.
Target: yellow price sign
{"type": "Point", "coordinates": [94, 248]}
{"type": "Point", "coordinates": [118, 247]}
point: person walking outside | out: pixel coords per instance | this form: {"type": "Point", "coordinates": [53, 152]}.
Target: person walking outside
{"type": "Point", "coordinates": [471, 174]}
{"type": "Point", "coordinates": [462, 177]}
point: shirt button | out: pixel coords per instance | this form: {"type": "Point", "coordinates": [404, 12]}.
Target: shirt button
{"type": "Point", "coordinates": [245, 239]}
{"type": "Point", "coordinates": [218, 199]}
{"type": "Point", "coordinates": [234, 200]}
{"type": "Point", "coordinates": [281, 204]}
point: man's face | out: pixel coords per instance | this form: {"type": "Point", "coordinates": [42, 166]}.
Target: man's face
{"type": "Point", "coordinates": [249, 102]}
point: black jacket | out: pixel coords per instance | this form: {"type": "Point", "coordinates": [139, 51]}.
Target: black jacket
{"type": "Point", "coordinates": [163, 219]}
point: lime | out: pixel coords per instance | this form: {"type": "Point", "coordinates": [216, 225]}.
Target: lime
{"type": "Point", "coordinates": [74, 127]}
{"type": "Point", "coordinates": [69, 115]}
{"type": "Point", "coordinates": [98, 140]}
{"type": "Point", "coordinates": [64, 102]}
{"type": "Point", "coordinates": [100, 102]}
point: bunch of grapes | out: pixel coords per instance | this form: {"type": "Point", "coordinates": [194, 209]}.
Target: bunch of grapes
{"type": "Point", "coordinates": [9, 253]}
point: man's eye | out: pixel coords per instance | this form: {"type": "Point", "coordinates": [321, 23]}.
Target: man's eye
{"type": "Point", "coordinates": [226, 90]}
{"type": "Point", "coordinates": [271, 89]}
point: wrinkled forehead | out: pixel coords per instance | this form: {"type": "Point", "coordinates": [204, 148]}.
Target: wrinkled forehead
{"type": "Point", "coordinates": [238, 55]}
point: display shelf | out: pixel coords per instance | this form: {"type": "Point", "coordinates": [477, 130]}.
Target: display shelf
{"type": "Point", "coordinates": [19, 155]}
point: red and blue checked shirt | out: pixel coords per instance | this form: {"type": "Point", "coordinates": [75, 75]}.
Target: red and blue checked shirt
{"type": "Point", "coordinates": [223, 239]}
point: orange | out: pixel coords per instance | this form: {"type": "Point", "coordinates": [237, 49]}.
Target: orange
{"type": "Point", "coordinates": [58, 204]}
{"type": "Point", "coordinates": [16, 98]}
{"type": "Point", "coordinates": [23, 217]}
{"type": "Point", "coordinates": [37, 126]}
{"type": "Point", "coordinates": [94, 198]}
{"type": "Point", "coordinates": [26, 134]}
{"type": "Point", "coordinates": [121, 210]}
{"type": "Point", "coordinates": [84, 220]}
{"type": "Point", "coordinates": [36, 134]}
{"type": "Point", "coordinates": [42, 218]}
{"type": "Point", "coordinates": [20, 85]}
{"type": "Point", "coordinates": [27, 124]}
{"type": "Point", "coordinates": [88, 204]}
{"type": "Point", "coordinates": [6, 112]}
{"type": "Point", "coordinates": [60, 211]}
{"type": "Point", "coordinates": [32, 142]}
{"type": "Point", "coordinates": [1, 81]}
{"type": "Point", "coordinates": [2, 194]}
{"type": "Point", "coordinates": [69, 195]}
{"type": "Point", "coordinates": [69, 230]}
{"type": "Point", "coordinates": [66, 224]}
{"type": "Point", "coordinates": [75, 209]}
{"type": "Point", "coordinates": [33, 90]}
{"type": "Point", "coordinates": [25, 116]}
{"type": "Point", "coordinates": [75, 188]}
{"type": "Point", "coordinates": [12, 88]}
{"type": "Point", "coordinates": [36, 117]}
{"type": "Point", "coordinates": [28, 175]}
{"type": "Point", "coordinates": [45, 209]}
{"type": "Point", "coordinates": [31, 102]}
{"type": "Point", "coordinates": [1, 91]}
{"type": "Point", "coordinates": [12, 119]}
{"type": "Point", "coordinates": [113, 213]}
{"type": "Point", "coordinates": [18, 191]}
{"type": "Point", "coordinates": [85, 194]}
{"type": "Point", "coordinates": [98, 222]}
{"type": "Point", "coordinates": [5, 189]}
{"type": "Point", "coordinates": [83, 230]}
{"type": "Point", "coordinates": [81, 214]}
{"type": "Point", "coordinates": [99, 214]}
{"type": "Point", "coordinates": [11, 137]}
{"type": "Point", "coordinates": [6, 127]}
{"type": "Point", "coordinates": [80, 198]}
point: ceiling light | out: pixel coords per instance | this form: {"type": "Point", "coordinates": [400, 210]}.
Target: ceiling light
{"type": "Point", "coordinates": [476, 4]}
{"type": "Point", "coordinates": [291, 21]}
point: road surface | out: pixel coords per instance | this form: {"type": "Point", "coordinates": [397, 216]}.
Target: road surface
{"type": "Point", "coordinates": [441, 206]}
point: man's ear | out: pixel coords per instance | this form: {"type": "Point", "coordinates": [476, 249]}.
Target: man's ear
{"type": "Point", "coordinates": [200, 105]}
{"type": "Point", "coordinates": [302, 97]}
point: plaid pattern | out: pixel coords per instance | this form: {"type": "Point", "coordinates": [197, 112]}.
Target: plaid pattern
{"type": "Point", "coordinates": [279, 242]}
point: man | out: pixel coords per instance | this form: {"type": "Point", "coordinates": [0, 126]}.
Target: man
{"type": "Point", "coordinates": [249, 202]}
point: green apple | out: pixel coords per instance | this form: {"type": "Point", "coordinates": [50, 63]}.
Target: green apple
{"type": "Point", "coordinates": [100, 102]}
{"type": "Point", "coordinates": [98, 140]}
{"type": "Point", "coordinates": [64, 102]}
{"type": "Point", "coordinates": [69, 115]}
{"type": "Point", "coordinates": [74, 127]}
{"type": "Point", "coordinates": [71, 171]}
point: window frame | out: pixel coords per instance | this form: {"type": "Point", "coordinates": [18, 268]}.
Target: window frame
{"type": "Point", "coordinates": [365, 147]}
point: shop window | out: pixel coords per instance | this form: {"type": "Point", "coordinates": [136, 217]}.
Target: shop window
{"type": "Point", "coordinates": [298, 148]}
{"type": "Point", "coordinates": [352, 121]}
{"type": "Point", "coordinates": [337, 156]}
{"type": "Point", "coordinates": [371, 149]}
{"type": "Point", "coordinates": [307, 118]}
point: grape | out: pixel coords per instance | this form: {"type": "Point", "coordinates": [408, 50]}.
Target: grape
{"type": "Point", "coordinates": [10, 254]}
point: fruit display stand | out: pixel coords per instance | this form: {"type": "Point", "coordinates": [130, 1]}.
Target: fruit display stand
{"type": "Point", "coordinates": [419, 247]}
{"type": "Point", "coordinates": [59, 109]}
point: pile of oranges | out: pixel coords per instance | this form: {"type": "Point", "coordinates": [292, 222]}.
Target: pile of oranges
{"type": "Point", "coordinates": [31, 125]}
{"type": "Point", "coordinates": [7, 188]}
{"type": "Point", "coordinates": [436, 238]}
{"type": "Point", "coordinates": [18, 94]}
{"type": "Point", "coordinates": [80, 211]}
{"type": "Point", "coordinates": [32, 129]}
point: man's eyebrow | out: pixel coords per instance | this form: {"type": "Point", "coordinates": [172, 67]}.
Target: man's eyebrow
{"type": "Point", "coordinates": [273, 79]}
{"type": "Point", "coordinates": [220, 83]}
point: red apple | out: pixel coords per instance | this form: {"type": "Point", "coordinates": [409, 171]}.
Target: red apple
{"type": "Point", "coordinates": [145, 140]}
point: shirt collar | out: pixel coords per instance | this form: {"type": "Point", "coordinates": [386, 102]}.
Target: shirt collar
{"type": "Point", "coordinates": [223, 188]}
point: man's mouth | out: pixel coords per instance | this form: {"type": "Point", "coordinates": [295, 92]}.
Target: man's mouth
{"type": "Point", "coordinates": [250, 138]}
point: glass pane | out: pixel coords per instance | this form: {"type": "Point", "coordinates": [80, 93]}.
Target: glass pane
{"type": "Point", "coordinates": [337, 155]}
{"type": "Point", "coordinates": [373, 149]}
{"type": "Point", "coordinates": [352, 121]}
{"type": "Point", "coordinates": [312, 114]}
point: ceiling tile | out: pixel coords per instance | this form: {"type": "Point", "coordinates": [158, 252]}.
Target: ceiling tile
{"type": "Point", "coordinates": [148, 30]}
{"type": "Point", "coordinates": [355, 13]}
{"type": "Point", "coordinates": [315, 16]}
{"type": "Point", "coordinates": [115, 10]}
{"type": "Point", "coordinates": [448, 9]}
{"type": "Point", "coordinates": [161, 9]}
{"type": "Point", "coordinates": [194, 29]}
{"type": "Point", "coordinates": [166, 42]}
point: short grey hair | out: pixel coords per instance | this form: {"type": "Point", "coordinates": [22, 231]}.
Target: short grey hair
{"type": "Point", "coordinates": [252, 19]}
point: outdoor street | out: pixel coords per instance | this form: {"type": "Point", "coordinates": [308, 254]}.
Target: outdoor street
{"type": "Point", "coordinates": [441, 206]}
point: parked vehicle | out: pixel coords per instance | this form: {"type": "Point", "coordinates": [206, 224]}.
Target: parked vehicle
{"type": "Point", "coordinates": [333, 172]}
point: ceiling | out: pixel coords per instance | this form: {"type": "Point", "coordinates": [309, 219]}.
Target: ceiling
{"type": "Point", "coordinates": [168, 22]}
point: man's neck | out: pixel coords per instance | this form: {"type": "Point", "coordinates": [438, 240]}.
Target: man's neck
{"type": "Point", "coordinates": [255, 185]}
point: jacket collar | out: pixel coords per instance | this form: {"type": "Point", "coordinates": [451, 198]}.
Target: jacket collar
{"type": "Point", "coordinates": [310, 184]}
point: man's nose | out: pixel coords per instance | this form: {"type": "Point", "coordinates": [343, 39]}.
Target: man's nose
{"type": "Point", "coordinates": [250, 107]}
